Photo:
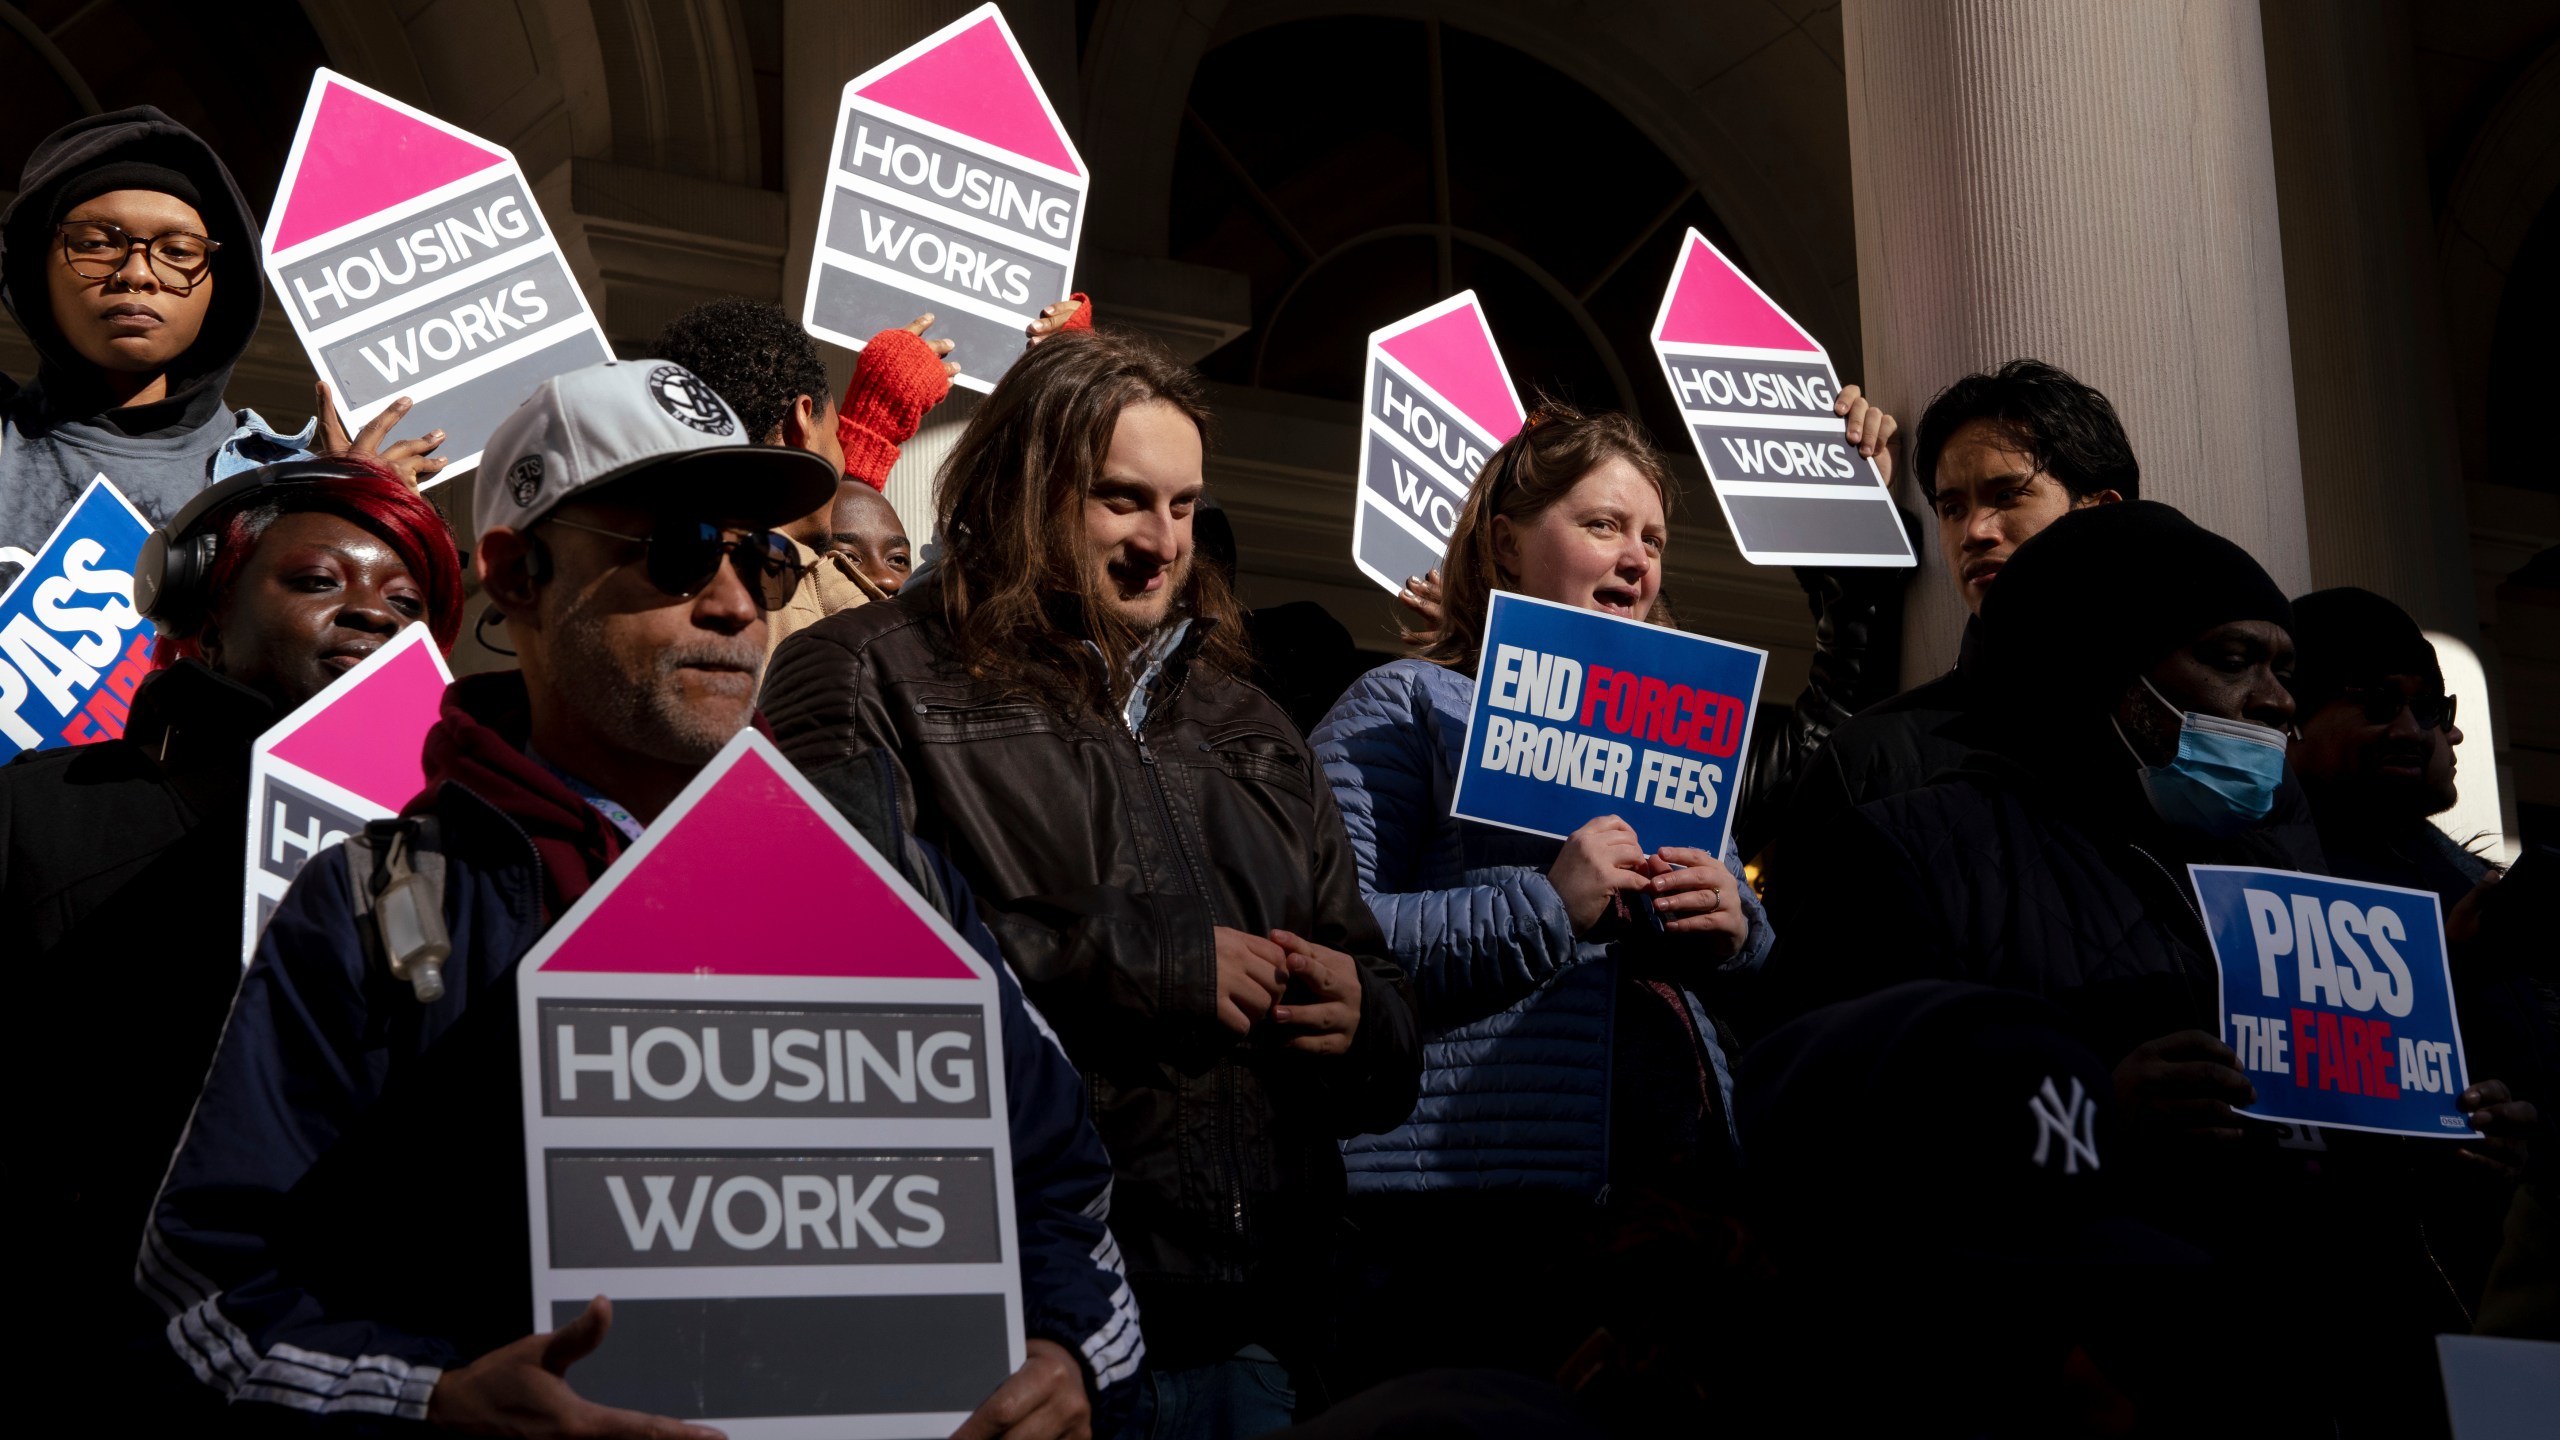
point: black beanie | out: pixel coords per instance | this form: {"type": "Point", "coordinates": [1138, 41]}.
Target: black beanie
{"type": "Point", "coordinates": [2102, 594]}
{"type": "Point", "coordinates": [123, 175]}
{"type": "Point", "coordinates": [2348, 636]}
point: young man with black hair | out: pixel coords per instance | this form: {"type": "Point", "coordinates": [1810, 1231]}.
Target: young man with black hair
{"type": "Point", "coordinates": [1153, 846]}
{"type": "Point", "coordinates": [2001, 455]}
{"type": "Point", "coordinates": [342, 1234]}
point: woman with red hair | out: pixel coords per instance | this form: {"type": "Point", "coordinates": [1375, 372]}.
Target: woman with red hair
{"type": "Point", "coordinates": [121, 862]}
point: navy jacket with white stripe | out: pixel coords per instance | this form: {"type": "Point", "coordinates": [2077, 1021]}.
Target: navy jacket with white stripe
{"type": "Point", "coordinates": [345, 1218]}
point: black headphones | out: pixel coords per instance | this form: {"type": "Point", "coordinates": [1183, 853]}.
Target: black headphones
{"type": "Point", "coordinates": [170, 579]}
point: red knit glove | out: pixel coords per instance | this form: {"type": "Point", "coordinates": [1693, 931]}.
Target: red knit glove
{"type": "Point", "coordinates": [895, 380]}
{"type": "Point", "coordinates": [1083, 318]}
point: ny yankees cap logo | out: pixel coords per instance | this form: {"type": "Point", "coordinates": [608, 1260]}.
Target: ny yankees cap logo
{"type": "Point", "coordinates": [2074, 1122]}
{"type": "Point", "coordinates": [681, 394]}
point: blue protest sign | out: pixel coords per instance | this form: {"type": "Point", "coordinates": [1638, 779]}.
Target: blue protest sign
{"type": "Point", "coordinates": [2337, 999]}
{"type": "Point", "coordinates": [72, 647]}
{"type": "Point", "coordinates": [1578, 714]}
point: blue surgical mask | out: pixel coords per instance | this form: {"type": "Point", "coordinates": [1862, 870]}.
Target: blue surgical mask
{"type": "Point", "coordinates": [2225, 775]}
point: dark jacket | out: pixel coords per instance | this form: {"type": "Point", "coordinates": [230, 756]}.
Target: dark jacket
{"type": "Point", "coordinates": [2029, 873]}
{"type": "Point", "coordinates": [59, 429]}
{"type": "Point", "coordinates": [1900, 743]}
{"type": "Point", "coordinates": [1102, 861]}
{"type": "Point", "coordinates": [120, 895]}
{"type": "Point", "coordinates": [1857, 648]}
{"type": "Point", "coordinates": [346, 1217]}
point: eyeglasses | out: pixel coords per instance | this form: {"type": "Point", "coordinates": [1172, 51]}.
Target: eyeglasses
{"type": "Point", "coordinates": [683, 556]}
{"type": "Point", "coordinates": [2381, 707]}
{"type": "Point", "coordinates": [95, 249]}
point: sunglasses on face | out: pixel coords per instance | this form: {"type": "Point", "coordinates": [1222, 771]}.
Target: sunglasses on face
{"type": "Point", "coordinates": [681, 557]}
{"type": "Point", "coordinates": [2381, 707]}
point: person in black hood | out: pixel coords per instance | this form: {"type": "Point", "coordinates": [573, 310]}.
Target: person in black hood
{"type": "Point", "coordinates": [121, 861]}
{"type": "Point", "coordinates": [130, 259]}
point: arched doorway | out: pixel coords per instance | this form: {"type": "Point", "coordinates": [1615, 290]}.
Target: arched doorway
{"type": "Point", "coordinates": [1430, 159]}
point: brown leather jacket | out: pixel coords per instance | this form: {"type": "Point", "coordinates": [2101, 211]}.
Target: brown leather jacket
{"type": "Point", "coordinates": [1102, 861]}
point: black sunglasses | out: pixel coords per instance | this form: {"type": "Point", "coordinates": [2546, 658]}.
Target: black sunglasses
{"type": "Point", "coordinates": [682, 556]}
{"type": "Point", "coordinates": [2381, 707]}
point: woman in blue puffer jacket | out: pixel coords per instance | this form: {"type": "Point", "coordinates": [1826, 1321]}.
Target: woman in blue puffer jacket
{"type": "Point", "coordinates": [1565, 986]}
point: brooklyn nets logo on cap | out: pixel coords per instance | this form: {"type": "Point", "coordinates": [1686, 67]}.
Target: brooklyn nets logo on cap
{"type": "Point", "coordinates": [524, 479]}
{"type": "Point", "coordinates": [682, 394]}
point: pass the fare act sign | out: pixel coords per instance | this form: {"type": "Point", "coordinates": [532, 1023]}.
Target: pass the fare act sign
{"type": "Point", "coordinates": [352, 753]}
{"type": "Point", "coordinates": [412, 260]}
{"type": "Point", "coordinates": [1436, 403]}
{"type": "Point", "coordinates": [953, 189]}
{"type": "Point", "coordinates": [72, 647]}
{"type": "Point", "coordinates": [1755, 390]}
{"type": "Point", "coordinates": [782, 1152]}
{"type": "Point", "coordinates": [2337, 998]}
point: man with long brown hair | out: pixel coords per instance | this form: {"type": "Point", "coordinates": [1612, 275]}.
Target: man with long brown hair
{"type": "Point", "coordinates": [1152, 845]}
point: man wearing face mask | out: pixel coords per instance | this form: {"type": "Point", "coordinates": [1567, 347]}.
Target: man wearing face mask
{"type": "Point", "coordinates": [2133, 723]}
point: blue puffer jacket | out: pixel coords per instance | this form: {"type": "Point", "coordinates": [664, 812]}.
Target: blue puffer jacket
{"type": "Point", "coordinates": [1517, 1014]}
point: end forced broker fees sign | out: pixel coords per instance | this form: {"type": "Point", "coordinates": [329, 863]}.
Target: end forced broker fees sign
{"type": "Point", "coordinates": [784, 1156]}
{"type": "Point", "coordinates": [1436, 403]}
{"type": "Point", "coordinates": [1578, 714]}
{"type": "Point", "coordinates": [1755, 391]}
{"type": "Point", "coordinates": [952, 189]}
{"type": "Point", "coordinates": [2337, 998]}
{"type": "Point", "coordinates": [412, 260]}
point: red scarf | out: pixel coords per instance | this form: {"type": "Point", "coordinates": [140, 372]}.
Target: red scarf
{"type": "Point", "coordinates": [479, 745]}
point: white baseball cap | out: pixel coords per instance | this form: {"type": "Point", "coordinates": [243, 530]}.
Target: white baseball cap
{"type": "Point", "coordinates": [603, 423]}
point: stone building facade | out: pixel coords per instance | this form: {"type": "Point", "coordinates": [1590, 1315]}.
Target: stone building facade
{"type": "Point", "coordinates": [2309, 247]}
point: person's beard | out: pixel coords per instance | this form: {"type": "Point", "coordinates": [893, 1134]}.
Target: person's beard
{"type": "Point", "coordinates": [643, 710]}
{"type": "Point", "coordinates": [1161, 604]}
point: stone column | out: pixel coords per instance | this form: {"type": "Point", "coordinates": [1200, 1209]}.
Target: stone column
{"type": "Point", "coordinates": [2089, 182]}
{"type": "Point", "coordinates": [828, 42]}
{"type": "Point", "coordinates": [2381, 453]}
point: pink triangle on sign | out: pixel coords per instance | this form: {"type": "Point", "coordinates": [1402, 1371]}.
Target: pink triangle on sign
{"type": "Point", "coordinates": [1454, 355]}
{"type": "Point", "coordinates": [729, 890]}
{"type": "Point", "coordinates": [363, 156]}
{"type": "Point", "coordinates": [974, 83]}
{"type": "Point", "coordinates": [1716, 305]}
{"type": "Point", "coordinates": [371, 738]}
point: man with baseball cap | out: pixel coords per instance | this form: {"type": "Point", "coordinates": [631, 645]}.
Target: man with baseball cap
{"type": "Point", "coordinates": [343, 1229]}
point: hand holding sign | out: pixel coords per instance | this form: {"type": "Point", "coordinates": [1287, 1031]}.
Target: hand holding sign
{"type": "Point", "coordinates": [523, 1389]}
{"type": "Point", "coordinates": [1693, 893]}
{"type": "Point", "coordinates": [2186, 1082]}
{"type": "Point", "coordinates": [2505, 1125]}
{"type": "Point", "coordinates": [1044, 1400]}
{"type": "Point", "coordinates": [1599, 862]}
{"type": "Point", "coordinates": [413, 459]}
{"type": "Point", "coordinates": [1869, 428]}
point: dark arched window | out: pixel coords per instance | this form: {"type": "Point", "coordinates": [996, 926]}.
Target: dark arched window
{"type": "Point", "coordinates": [1357, 169]}
{"type": "Point", "coordinates": [236, 73]}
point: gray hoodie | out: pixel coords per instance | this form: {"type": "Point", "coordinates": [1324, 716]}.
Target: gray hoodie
{"type": "Point", "coordinates": [58, 430]}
